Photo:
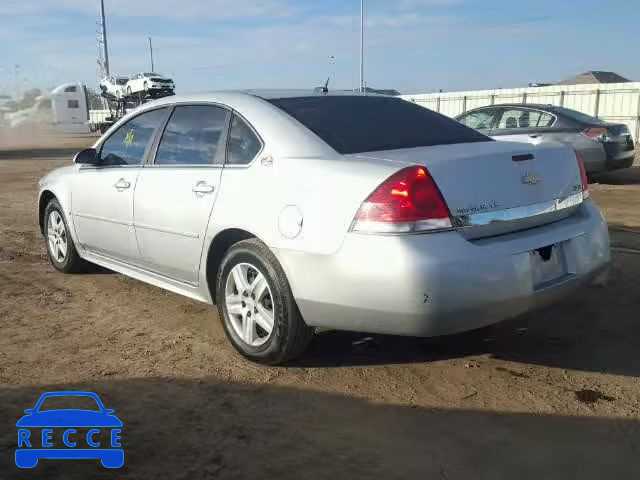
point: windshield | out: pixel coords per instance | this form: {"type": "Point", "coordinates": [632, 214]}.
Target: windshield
{"type": "Point", "coordinates": [355, 124]}
{"type": "Point", "coordinates": [151, 74]}
{"type": "Point", "coordinates": [69, 402]}
{"type": "Point", "coordinates": [122, 81]}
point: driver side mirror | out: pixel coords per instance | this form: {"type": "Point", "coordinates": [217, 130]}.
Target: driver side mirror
{"type": "Point", "coordinates": [88, 156]}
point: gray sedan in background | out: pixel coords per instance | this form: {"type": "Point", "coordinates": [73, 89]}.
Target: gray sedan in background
{"type": "Point", "coordinates": [602, 146]}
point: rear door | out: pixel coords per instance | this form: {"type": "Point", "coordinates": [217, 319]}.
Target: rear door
{"type": "Point", "coordinates": [175, 193]}
{"type": "Point", "coordinates": [523, 125]}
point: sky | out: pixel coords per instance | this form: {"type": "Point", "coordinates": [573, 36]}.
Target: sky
{"type": "Point", "coordinates": [410, 45]}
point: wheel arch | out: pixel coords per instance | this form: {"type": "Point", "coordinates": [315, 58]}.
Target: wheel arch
{"type": "Point", "coordinates": [45, 197]}
{"type": "Point", "coordinates": [218, 247]}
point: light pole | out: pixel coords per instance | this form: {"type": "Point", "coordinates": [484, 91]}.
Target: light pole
{"type": "Point", "coordinates": [151, 53]}
{"type": "Point", "coordinates": [103, 30]}
{"type": "Point", "coordinates": [362, 45]}
{"type": "Point", "coordinates": [332, 64]}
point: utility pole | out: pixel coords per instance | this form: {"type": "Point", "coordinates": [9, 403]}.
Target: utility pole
{"type": "Point", "coordinates": [103, 35]}
{"type": "Point", "coordinates": [362, 45]}
{"type": "Point", "coordinates": [151, 53]}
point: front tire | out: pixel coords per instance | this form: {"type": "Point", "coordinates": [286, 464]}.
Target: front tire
{"type": "Point", "coordinates": [60, 247]}
{"type": "Point", "coordinates": [256, 306]}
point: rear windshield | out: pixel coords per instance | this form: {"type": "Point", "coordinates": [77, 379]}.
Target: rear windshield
{"type": "Point", "coordinates": [355, 124]}
{"type": "Point", "coordinates": [578, 116]}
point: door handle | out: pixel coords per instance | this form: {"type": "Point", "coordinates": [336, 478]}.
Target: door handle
{"type": "Point", "coordinates": [535, 135]}
{"type": "Point", "coordinates": [202, 187]}
{"type": "Point", "coordinates": [122, 184]}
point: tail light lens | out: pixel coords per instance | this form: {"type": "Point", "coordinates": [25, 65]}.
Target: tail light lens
{"type": "Point", "coordinates": [408, 201]}
{"type": "Point", "coordinates": [583, 177]}
{"type": "Point", "coordinates": [597, 133]}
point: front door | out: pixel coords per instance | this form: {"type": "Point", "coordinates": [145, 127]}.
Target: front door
{"type": "Point", "coordinates": [175, 194]}
{"type": "Point", "coordinates": [102, 202]}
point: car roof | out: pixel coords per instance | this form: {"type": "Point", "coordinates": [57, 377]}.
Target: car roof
{"type": "Point", "coordinates": [539, 106]}
{"type": "Point", "coordinates": [296, 93]}
{"type": "Point", "coordinates": [230, 97]}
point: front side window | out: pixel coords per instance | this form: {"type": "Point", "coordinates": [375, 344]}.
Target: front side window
{"type": "Point", "coordinates": [194, 136]}
{"type": "Point", "coordinates": [71, 89]}
{"type": "Point", "coordinates": [356, 124]}
{"type": "Point", "coordinates": [127, 145]}
{"type": "Point", "coordinates": [480, 120]}
{"type": "Point", "coordinates": [244, 144]}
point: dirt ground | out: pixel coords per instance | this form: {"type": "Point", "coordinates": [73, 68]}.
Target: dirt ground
{"type": "Point", "coordinates": [551, 395]}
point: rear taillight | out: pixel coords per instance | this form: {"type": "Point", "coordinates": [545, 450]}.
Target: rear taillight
{"type": "Point", "coordinates": [583, 177]}
{"type": "Point", "coordinates": [599, 134]}
{"type": "Point", "coordinates": [408, 201]}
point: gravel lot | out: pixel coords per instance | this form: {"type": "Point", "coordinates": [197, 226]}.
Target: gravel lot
{"type": "Point", "coordinates": [551, 395]}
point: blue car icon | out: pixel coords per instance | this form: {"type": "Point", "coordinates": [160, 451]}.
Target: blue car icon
{"type": "Point", "coordinates": [32, 446]}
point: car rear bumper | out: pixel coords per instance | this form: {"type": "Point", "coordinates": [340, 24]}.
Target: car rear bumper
{"type": "Point", "coordinates": [618, 157]}
{"type": "Point", "coordinates": [436, 284]}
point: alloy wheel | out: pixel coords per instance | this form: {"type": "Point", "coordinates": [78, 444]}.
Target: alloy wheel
{"type": "Point", "coordinates": [249, 304]}
{"type": "Point", "coordinates": [57, 236]}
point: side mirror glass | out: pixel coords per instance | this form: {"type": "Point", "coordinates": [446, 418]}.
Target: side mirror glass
{"type": "Point", "coordinates": [88, 156]}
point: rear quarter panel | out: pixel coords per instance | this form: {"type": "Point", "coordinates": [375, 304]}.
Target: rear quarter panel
{"type": "Point", "coordinates": [326, 192]}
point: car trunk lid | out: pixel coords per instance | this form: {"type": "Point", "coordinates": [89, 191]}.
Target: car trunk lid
{"type": "Point", "coordinates": [499, 187]}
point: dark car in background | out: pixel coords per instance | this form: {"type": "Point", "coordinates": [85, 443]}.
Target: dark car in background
{"type": "Point", "coordinates": [602, 146]}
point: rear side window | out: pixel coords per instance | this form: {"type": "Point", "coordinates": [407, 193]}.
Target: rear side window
{"type": "Point", "coordinates": [244, 144]}
{"type": "Point", "coordinates": [194, 136]}
{"type": "Point", "coordinates": [525, 119]}
{"type": "Point", "coordinates": [127, 145]}
{"type": "Point", "coordinates": [354, 124]}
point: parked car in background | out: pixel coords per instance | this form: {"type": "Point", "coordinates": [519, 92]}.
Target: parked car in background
{"type": "Point", "coordinates": [297, 210]}
{"type": "Point", "coordinates": [603, 146]}
{"type": "Point", "coordinates": [114, 86]}
{"type": "Point", "coordinates": [150, 82]}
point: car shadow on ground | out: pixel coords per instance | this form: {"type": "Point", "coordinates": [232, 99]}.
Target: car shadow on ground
{"type": "Point", "coordinates": [595, 329]}
{"type": "Point", "coordinates": [191, 429]}
{"type": "Point", "coordinates": [626, 176]}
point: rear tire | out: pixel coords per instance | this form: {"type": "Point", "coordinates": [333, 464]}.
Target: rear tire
{"type": "Point", "coordinates": [237, 307]}
{"type": "Point", "coordinates": [60, 247]}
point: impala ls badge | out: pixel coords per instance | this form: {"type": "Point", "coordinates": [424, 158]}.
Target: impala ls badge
{"type": "Point", "coordinates": [530, 178]}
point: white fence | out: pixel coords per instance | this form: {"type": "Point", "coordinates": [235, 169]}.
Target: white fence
{"type": "Point", "coordinates": [613, 102]}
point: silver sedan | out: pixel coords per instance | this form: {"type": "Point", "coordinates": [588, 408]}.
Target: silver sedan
{"type": "Point", "coordinates": [297, 210]}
